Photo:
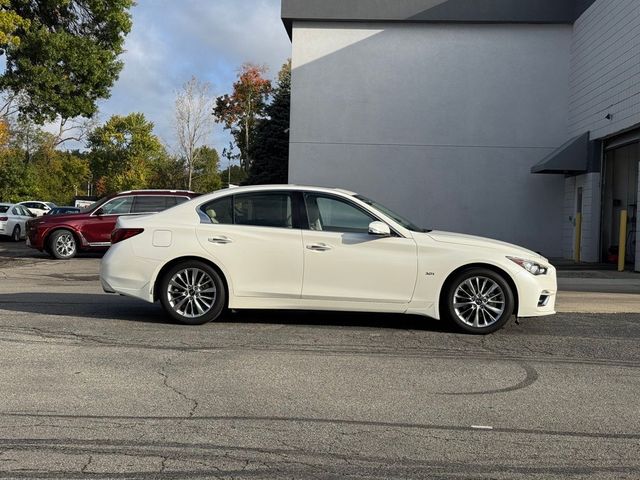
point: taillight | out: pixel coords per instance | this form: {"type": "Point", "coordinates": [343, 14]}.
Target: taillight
{"type": "Point", "coordinates": [120, 234]}
{"type": "Point", "coordinates": [4, 219]}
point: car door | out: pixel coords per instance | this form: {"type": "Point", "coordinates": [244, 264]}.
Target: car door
{"type": "Point", "coordinates": [98, 227]}
{"type": "Point", "coordinates": [255, 238]}
{"type": "Point", "coordinates": [343, 262]}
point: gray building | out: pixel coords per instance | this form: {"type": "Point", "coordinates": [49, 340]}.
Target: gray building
{"type": "Point", "coordinates": [502, 118]}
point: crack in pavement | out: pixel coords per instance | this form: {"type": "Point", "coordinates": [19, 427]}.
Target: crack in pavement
{"type": "Point", "coordinates": [165, 382]}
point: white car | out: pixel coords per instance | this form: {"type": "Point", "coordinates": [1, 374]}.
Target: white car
{"type": "Point", "coordinates": [12, 221]}
{"type": "Point", "coordinates": [294, 247]}
{"type": "Point", "coordinates": [38, 208]}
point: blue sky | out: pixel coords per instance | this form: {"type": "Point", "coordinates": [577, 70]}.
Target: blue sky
{"type": "Point", "coordinates": [172, 40]}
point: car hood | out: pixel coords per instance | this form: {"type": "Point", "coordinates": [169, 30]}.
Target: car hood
{"type": "Point", "coordinates": [482, 242]}
{"type": "Point", "coordinates": [58, 218]}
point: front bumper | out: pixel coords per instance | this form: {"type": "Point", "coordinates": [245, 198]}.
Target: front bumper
{"type": "Point", "coordinates": [536, 294]}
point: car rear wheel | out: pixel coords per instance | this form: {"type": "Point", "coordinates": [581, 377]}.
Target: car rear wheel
{"type": "Point", "coordinates": [15, 236]}
{"type": "Point", "coordinates": [62, 245]}
{"type": "Point", "coordinates": [192, 293]}
{"type": "Point", "coordinates": [479, 301]}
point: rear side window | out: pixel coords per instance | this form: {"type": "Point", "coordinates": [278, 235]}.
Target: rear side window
{"type": "Point", "coordinates": [152, 203]}
{"type": "Point", "coordinates": [3, 209]}
{"type": "Point", "coordinates": [258, 209]}
{"type": "Point", "coordinates": [220, 211]}
{"type": "Point", "coordinates": [263, 210]}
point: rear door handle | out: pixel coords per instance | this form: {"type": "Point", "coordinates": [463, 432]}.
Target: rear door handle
{"type": "Point", "coordinates": [221, 240]}
{"type": "Point", "coordinates": [318, 247]}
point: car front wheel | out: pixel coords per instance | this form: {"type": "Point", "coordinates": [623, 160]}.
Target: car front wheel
{"type": "Point", "coordinates": [479, 301]}
{"type": "Point", "coordinates": [62, 245]}
{"type": "Point", "coordinates": [192, 293]}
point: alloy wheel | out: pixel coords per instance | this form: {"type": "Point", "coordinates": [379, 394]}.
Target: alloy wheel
{"type": "Point", "coordinates": [65, 245]}
{"type": "Point", "coordinates": [479, 302]}
{"type": "Point", "coordinates": [191, 292]}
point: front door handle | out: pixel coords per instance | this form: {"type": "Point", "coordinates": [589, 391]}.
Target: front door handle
{"type": "Point", "coordinates": [318, 247]}
{"type": "Point", "coordinates": [221, 240]}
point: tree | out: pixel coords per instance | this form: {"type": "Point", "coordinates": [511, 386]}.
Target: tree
{"type": "Point", "coordinates": [206, 177]}
{"type": "Point", "coordinates": [193, 120]}
{"type": "Point", "coordinates": [240, 111]}
{"type": "Point", "coordinates": [17, 179]}
{"type": "Point", "coordinates": [10, 21]}
{"type": "Point", "coordinates": [123, 152]}
{"type": "Point", "coordinates": [62, 55]}
{"type": "Point", "coordinates": [271, 149]}
{"type": "Point", "coordinates": [168, 172]}
{"type": "Point", "coordinates": [234, 175]}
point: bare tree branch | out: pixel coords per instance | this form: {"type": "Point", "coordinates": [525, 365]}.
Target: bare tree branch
{"type": "Point", "coordinates": [193, 121]}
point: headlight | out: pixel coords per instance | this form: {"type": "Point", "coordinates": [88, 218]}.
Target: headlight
{"type": "Point", "coordinates": [530, 266]}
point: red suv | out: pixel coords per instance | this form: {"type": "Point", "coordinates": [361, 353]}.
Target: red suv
{"type": "Point", "coordinates": [63, 236]}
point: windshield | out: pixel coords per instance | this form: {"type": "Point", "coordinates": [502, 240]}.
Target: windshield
{"type": "Point", "coordinates": [408, 224]}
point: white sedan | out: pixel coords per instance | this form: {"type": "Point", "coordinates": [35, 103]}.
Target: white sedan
{"type": "Point", "coordinates": [293, 247]}
{"type": "Point", "coordinates": [38, 208]}
{"type": "Point", "coordinates": [12, 220]}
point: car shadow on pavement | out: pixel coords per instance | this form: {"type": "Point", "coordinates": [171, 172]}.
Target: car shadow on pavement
{"type": "Point", "coordinates": [116, 307]}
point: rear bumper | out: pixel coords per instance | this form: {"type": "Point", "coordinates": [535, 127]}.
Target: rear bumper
{"type": "Point", "coordinates": [536, 294]}
{"type": "Point", "coordinates": [124, 273]}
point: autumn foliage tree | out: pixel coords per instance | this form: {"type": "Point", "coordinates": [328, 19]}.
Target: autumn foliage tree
{"type": "Point", "coordinates": [240, 111]}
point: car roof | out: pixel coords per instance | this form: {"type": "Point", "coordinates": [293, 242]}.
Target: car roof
{"type": "Point", "coordinates": [155, 192]}
{"type": "Point", "coordinates": [7, 204]}
{"type": "Point", "coordinates": [292, 187]}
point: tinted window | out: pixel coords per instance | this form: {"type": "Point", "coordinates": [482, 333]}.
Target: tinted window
{"type": "Point", "coordinates": [263, 209]}
{"type": "Point", "coordinates": [15, 211]}
{"type": "Point", "coordinates": [117, 206]}
{"type": "Point", "coordinates": [330, 214]}
{"type": "Point", "coordinates": [220, 211]}
{"type": "Point", "coordinates": [151, 203]}
{"type": "Point", "coordinates": [3, 208]}
{"type": "Point", "coordinates": [23, 211]}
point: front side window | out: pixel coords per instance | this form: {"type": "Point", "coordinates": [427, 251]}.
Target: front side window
{"type": "Point", "coordinates": [330, 214]}
{"type": "Point", "coordinates": [117, 206]}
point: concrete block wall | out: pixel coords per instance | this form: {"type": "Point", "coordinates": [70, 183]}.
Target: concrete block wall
{"type": "Point", "coordinates": [441, 122]}
{"type": "Point", "coordinates": [605, 69]}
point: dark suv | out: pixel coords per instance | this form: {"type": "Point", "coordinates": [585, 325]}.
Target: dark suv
{"type": "Point", "coordinates": [63, 236]}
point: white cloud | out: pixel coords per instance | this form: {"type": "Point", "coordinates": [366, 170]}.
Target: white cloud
{"type": "Point", "coordinates": [173, 40]}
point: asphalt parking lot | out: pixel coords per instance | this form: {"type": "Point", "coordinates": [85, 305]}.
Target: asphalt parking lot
{"type": "Point", "coordinates": [101, 386]}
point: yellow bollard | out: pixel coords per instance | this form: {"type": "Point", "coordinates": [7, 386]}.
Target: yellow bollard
{"type": "Point", "coordinates": [622, 244]}
{"type": "Point", "coordinates": [578, 240]}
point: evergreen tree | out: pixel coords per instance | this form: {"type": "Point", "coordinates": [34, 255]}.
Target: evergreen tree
{"type": "Point", "coordinates": [271, 148]}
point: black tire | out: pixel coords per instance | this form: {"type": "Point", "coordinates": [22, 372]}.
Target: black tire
{"type": "Point", "coordinates": [62, 245]}
{"type": "Point", "coordinates": [191, 286]}
{"type": "Point", "coordinates": [16, 234]}
{"type": "Point", "coordinates": [479, 301]}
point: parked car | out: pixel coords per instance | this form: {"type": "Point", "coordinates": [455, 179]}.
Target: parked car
{"type": "Point", "coordinates": [63, 210]}
{"type": "Point", "coordinates": [63, 236]}
{"type": "Point", "coordinates": [309, 248]}
{"type": "Point", "coordinates": [12, 220]}
{"type": "Point", "coordinates": [38, 208]}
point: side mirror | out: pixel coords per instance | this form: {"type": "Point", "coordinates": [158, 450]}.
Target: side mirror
{"type": "Point", "coordinates": [380, 229]}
